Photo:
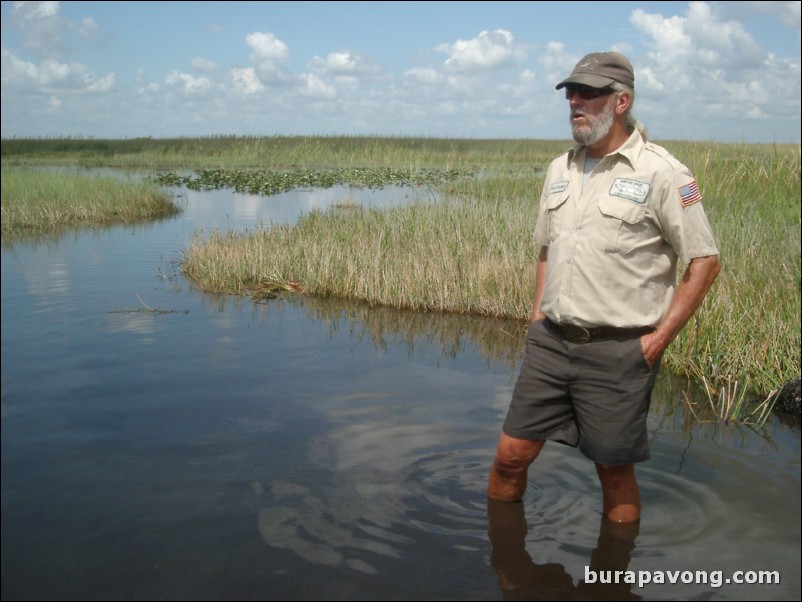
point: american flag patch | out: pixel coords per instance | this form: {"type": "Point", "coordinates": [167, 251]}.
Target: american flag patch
{"type": "Point", "coordinates": [689, 194]}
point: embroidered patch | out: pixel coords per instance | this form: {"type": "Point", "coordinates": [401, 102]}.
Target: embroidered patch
{"type": "Point", "coordinates": [689, 194]}
{"type": "Point", "coordinates": [631, 190]}
{"type": "Point", "coordinates": [558, 186]}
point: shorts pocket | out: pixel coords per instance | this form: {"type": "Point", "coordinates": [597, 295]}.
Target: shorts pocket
{"type": "Point", "coordinates": [637, 354]}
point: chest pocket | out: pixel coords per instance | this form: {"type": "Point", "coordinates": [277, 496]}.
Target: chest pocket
{"type": "Point", "coordinates": [556, 211]}
{"type": "Point", "coordinates": [624, 224]}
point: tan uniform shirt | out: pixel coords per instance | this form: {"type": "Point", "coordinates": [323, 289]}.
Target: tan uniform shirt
{"type": "Point", "coordinates": [613, 247]}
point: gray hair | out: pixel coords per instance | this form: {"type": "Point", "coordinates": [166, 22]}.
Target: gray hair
{"type": "Point", "coordinates": [633, 123]}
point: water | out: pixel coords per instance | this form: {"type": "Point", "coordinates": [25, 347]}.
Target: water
{"type": "Point", "coordinates": [162, 443]}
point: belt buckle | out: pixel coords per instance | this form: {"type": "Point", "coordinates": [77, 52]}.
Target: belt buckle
{"type": "Point", "coordinates": [575, 334]}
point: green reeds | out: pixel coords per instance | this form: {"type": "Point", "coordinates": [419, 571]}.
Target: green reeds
{"type": "Point", "coordinates": [36, 202]}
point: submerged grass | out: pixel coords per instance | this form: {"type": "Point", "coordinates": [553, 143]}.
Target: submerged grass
{"type": "Point", "coordinates": [36, 202]}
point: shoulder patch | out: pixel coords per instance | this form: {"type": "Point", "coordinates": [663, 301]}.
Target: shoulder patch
{"type": "Point", "coordinates": [689, 193]}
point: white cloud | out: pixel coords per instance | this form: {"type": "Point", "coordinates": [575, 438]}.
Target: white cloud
{"type": "Point", "coordinates": [17, 74]}
{"type": "Point", "coordinates": [704, 65]}
{"type": "Point", "coordinates": [672, 45]}
{"type": "Point", "coordinates": [40, 24]}
{"type": "Point", "coordinates": [556, 62]}
{"type": "Point", "coordinates": [246, 81]}
{"type": "Point", "coordinates": [268, 54]}
{"type": "Point", "coordinates": [314, 86]}
{"type": "Point", "coordinates": [49, 76]}
{"type": "Point", "coordinates": [187, 83]}
{"type": "Point", "coordinates": [104, 84]}
{"type": "Point", "coordinates": [725, 43]}
{"type": "Point", "coordinates": [201, 64]}
{"type": "Point", "coordinates": [426, 76]}
{"type": "Point", "coordinates": [488, 50]}
{"type": "Point", "coordinates": [266, 48]}
{"type": "Point", "coordinates": [344, 63]}
{"type": "Point", "coordinates": [88, 28]}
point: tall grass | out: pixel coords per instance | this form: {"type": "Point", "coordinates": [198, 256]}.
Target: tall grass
{"type": "Point", "coordinates": [747, 333]}
{"type": "Point", "coordinates": [283, 152]}
{"type": "Point", "coordinates": [36, 202]}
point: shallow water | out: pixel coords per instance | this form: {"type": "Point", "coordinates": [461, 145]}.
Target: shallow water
{"type": "Point", "coordinates": [161, 443]}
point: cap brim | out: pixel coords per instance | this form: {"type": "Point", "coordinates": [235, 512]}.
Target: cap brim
{"type": "Point", "coordinates": [587, 79]}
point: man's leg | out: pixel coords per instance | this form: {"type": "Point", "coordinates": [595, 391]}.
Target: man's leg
{"type": "Point", "coordinates": [507, 480]}
{"type": "Point", "coordinates": [621, 494]}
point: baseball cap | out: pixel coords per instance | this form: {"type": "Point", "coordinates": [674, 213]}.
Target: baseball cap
{"type": "Point", "coordinates": [600, 69]}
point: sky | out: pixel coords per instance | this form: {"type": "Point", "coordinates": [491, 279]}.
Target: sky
{"type": "Point", "coordinates": [715, 71]}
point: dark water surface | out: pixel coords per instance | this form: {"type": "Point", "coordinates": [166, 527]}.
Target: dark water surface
{"type": "Point", "coordinates": [161, 443]}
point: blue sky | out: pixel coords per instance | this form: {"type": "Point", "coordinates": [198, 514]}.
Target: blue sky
{"type": "Point", "coordinates": [720, 71]}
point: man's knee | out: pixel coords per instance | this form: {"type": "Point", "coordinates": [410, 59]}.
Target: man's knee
{"type": "Point", "coordinates": [515, 455]}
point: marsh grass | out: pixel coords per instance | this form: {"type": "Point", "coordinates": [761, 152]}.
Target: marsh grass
{"type": "Point", "coordinates": [284, 152]}
{"type": "Point", "coordinates": [36, 202]}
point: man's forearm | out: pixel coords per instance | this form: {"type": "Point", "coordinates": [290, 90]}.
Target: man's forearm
{"type": "Point", "coordinates": [692, 290]}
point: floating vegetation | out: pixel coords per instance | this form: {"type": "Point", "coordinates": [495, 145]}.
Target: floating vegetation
{"type": "Point", "coordinates": [268, 182]}
{"type": "Point", "coordinates": [148, 310]}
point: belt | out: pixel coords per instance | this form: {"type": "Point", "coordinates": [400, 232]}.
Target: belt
{"type": "Point", "coordinates": [580, 334]}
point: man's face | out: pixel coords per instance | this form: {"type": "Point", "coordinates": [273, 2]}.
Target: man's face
{"type": "Point", "coordinates": [592, 113]}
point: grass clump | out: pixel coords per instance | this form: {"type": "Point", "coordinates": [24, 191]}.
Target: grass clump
{"type": "Point", "coordinates": [37, 202]}
{"type": "Point", "coordinates": [467, 254]}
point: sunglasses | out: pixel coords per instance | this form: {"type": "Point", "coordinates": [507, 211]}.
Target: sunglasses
{"type": "Point", "coordinates": [586, 92]}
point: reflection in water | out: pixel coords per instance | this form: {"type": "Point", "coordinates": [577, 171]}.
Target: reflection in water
{"type": "Point", "coordinates": [305, 526]}
{"type": "Point", "coordinates": [445, 334]}
{"type": "Point", "coordinates": [520, 578]}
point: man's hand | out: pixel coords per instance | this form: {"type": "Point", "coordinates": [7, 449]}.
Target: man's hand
{"type": "Point", "coordinates": [653, 347]}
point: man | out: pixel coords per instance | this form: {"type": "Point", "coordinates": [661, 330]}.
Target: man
{"type": "Point", "coordinates": [616, 215]}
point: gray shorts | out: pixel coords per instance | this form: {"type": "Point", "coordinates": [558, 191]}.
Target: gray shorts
{"type": "Point", "coordinates": [594, 396]}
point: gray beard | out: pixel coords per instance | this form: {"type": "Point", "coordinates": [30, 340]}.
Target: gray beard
{"type": "Point", "coordinates": [597, 127]}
